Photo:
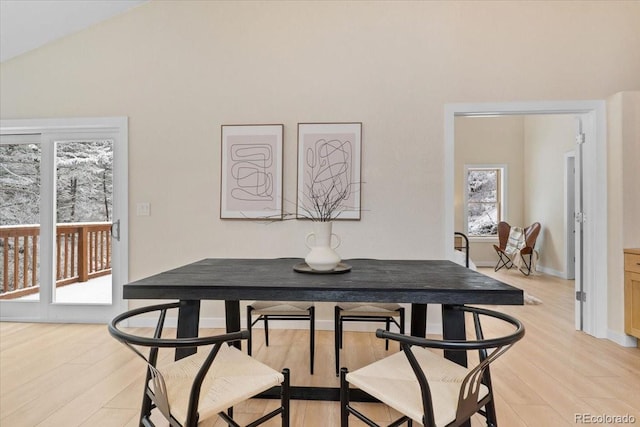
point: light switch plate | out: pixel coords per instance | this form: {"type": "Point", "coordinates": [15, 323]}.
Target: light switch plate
{"type": "Point", "coordinates": [143, 209]}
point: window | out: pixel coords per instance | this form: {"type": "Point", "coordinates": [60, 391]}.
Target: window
{"type": "Point", "coordinates": [484, 199]}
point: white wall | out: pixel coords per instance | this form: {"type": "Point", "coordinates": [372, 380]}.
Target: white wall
{"type": "Point", "coordinates": [179, 70]}
{"type": "Point", "coordinates": [623, 163]}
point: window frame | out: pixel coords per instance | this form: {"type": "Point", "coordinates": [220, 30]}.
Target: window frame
{"type": "Point", "coordinates": [501, 196]}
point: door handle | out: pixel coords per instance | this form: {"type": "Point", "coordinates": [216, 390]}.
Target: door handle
{"type": "Point", "coordinates": [115, 230]}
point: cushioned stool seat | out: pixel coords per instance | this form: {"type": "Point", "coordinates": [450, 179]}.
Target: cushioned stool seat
{"type": "Point", "coordinates": [368, 309]}
{"type": "Point", "coordinates": [233, 377]}
{"type": "Point", "coordinates": [392, 381]}
{"type": "Point", "coordinates": [279, 308]}
{"type": "Point", "coordinates": [425, 387]}
{"type": "Point", "coordinates": [210, 376]}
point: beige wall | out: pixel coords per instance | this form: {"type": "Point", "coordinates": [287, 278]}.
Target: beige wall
{"type": "Point", "coordinates": [489, 140]}
{"type": "Point", "coordinates": [631, 169]}
{"type": "Point", "coordinates": [547, 139]}
{"type": "Point", "coordinates": [179, 70]}
{"type": "Point", "coordinates": [533, 148]}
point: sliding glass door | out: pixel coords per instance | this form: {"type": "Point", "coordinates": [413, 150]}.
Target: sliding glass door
{"type": "Point", "coordinates": [63, 209]}
{"type": "Point", "coordinates": [84, 214]}
{"type": "Point", "coordinates": [20, 188]}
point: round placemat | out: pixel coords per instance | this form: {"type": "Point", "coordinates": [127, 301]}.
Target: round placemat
{"type": "Point", "coordinates": [304, 268]}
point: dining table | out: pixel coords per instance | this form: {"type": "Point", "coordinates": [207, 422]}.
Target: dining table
{"type": "Point", "coordinates": [415, 282]}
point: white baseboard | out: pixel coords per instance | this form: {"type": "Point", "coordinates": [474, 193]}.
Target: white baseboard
{"type": "Point", "coordinates": [485, 264]}
{"type": "Point", "coordinates": [621, 338]}
{"type": "Point", "coordinates": [551, 271]}
{"type": "Point", "coordinates": [539, 269]}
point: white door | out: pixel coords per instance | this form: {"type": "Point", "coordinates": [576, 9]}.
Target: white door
{"type": "Point", "coordinates": [71, 177]}
{"type": "Point", "coordinates": [570, 215]}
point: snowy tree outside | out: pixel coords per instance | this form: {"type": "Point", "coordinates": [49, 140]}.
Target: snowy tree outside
{"type": "Point", "coordinates": [483, 201]}
{"type": "Point", "coordinates": [84, 182]}
{"type": "Point", "coordinates": [84, 189]}
{"type": "Point", "coordinates": [20, 184]}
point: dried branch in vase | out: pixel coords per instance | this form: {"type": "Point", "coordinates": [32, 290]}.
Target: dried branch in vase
{"type": "Point", "coordinates": [325, 202]}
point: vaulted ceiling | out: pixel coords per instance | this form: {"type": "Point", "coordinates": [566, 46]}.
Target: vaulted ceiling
{"type": "Point", "coordinates": [30, 24]}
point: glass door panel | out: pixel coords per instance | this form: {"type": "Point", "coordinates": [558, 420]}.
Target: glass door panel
{"type": "Point", "coordinates": [20, 162]}
{"type": "Point", "coordinates": [67, 179]}
{"type": "Point", "coordinates": [84, 214]}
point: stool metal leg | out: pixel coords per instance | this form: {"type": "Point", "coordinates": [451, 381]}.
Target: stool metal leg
{"type": "Point", "coordinates": [337, 332]}
{"type": "Point", "coordinates": [312, 337]}
{"type": "Point", "coordinates": [249, 325]}
{"type": "Point", "coordinates": [344, 399]}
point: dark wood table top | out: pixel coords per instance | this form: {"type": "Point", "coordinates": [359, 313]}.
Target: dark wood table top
{"type": "Point", "coordinates": [399, 281]}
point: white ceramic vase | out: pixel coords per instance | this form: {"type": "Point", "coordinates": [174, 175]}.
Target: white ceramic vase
{"type": "Point", "coordinates": [322, 256]}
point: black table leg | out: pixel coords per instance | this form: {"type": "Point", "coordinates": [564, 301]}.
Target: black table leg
{"type": "Point", "coordinates": [232, 316]}
{"type": "Point", "coordinates": [188, 324]}
{"type": "Point", "coordinates": [419, 320]}
{"type": "Point", "coordinates": [453, 328]}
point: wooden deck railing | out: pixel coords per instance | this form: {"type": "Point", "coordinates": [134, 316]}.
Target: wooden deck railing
{"type": "Point", "coordinates": [83, 251]}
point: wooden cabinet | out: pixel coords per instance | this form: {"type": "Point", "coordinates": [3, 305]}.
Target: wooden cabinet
{"type": "Point", "coordinates": [632, 292]}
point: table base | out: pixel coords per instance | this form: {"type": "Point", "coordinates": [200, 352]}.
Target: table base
{"type": "Point", "coordinates": [330, 394]}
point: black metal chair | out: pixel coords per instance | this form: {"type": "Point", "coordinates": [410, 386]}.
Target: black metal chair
{"type": "Point", "coordinates": [207, 383]}
{"type": "Point", "coordinates": [461, 243]}
{"type": "Point", "coordinates": [282, 310]}
{"type": "Point", "coordinates": [427, 388]}
{"type": "Point", "coordinates": [364, 312]}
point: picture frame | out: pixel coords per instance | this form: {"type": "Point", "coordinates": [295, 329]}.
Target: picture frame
{"type": "Point", "coordinates": [329, 171]}
{"type": "Point", "coordinates": [251, 171]}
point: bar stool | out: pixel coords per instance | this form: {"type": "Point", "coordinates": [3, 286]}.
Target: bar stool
{"type": "Point", "coordinates": [365, 312]}
{"type": "Point", "coordinates": [203, 385]}
{"type": "Point", "coordinates": [427, 388]}
{"type": "Point", "coordinates": [282, 310]}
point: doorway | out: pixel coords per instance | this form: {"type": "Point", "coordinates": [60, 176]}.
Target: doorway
{"type": "Point", "coordinates": [64, 219]}
{"type": "Point", "coordinates": [594, 267]}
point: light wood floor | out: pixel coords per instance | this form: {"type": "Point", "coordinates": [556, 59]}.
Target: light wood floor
{"type": "Point", "coordinates": [66, 375]}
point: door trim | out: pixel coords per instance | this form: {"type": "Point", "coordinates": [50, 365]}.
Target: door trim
{"type": "Point", "coordinates": [595, 188]}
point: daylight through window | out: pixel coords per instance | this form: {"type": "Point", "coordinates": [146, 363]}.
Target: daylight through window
{"type": "Point", "coordinates": [483, 195]}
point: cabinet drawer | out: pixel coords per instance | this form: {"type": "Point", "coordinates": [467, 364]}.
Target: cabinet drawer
{"type": "Point", "coordinates": [632, 262]}
{"type": "Point", "coordinates": [632, 304]}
